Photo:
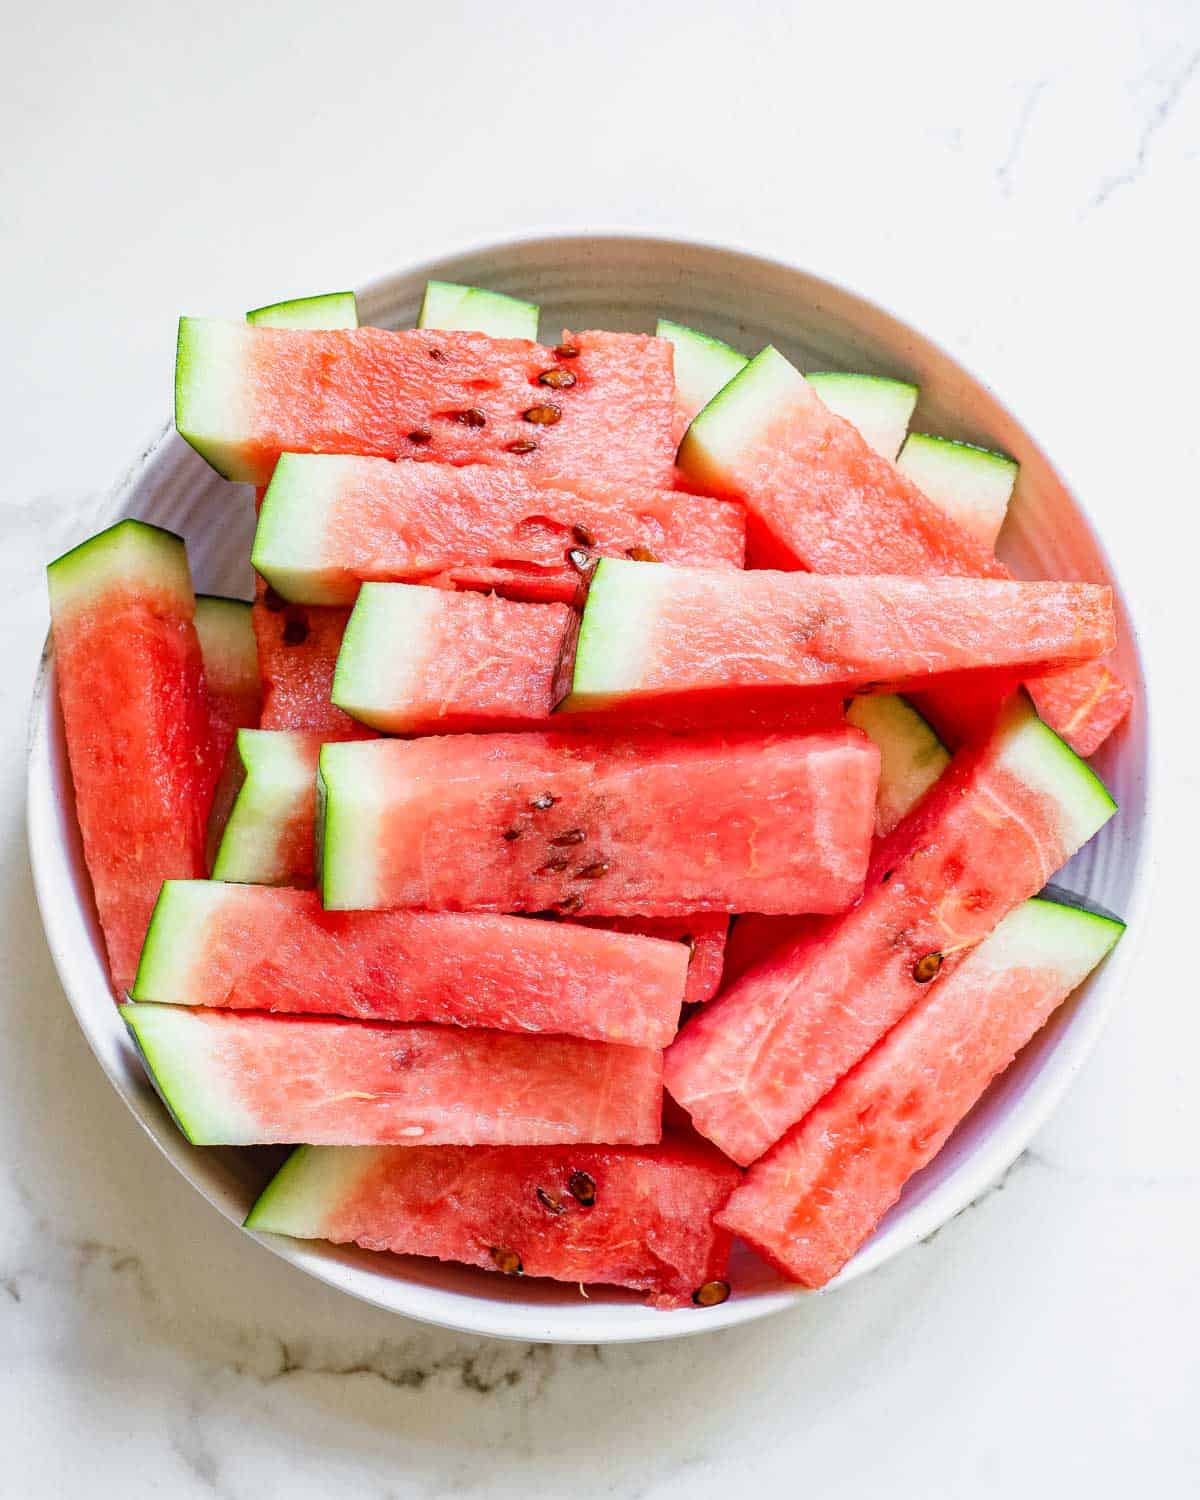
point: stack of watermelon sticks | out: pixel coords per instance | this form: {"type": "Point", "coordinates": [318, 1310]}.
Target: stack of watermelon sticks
{"type": "Point", "coordinates": [561, 657]}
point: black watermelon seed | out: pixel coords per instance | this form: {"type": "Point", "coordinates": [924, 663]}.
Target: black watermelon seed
{"type": "Point", "coordinates": [274, 602]}
{"type": "Point", "coordinates": [582, 1187]}
{"type": "Point", "coordinates": [295, 630]}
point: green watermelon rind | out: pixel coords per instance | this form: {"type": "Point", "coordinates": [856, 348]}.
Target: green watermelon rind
{"type": "Point", "coordinates": [291, 527]}
{"type": "Point", "coordinates": [211, 391]}
{"type": "Point", "coordinates": [325, 310]}
{"type": "Point", "coordinates": [276, 777]}
{"type": "Point", "coordinates": [308, 1186]}
{"type": "Point", "coordinates": [175, 1045]}
{"type": "Point", "coordinates": [129, 551]}
{"type": "Point", "coordinates": [387, 622]}
{"type": "Point", "coordinates": [703, 364]}
{"type": "Point", "coordinates": [450, 307]}
{"type": "Point", "coordinates": [178, 924]}
{"type": "Point", "coordinates": [345, 852]}
{"type": "Point", "coordinates": [912, 757]}
{"type": "Point", "coordinates": [738, 415]}
{"type": "Point", "coordinates": [973, 485]}
{"type": "Point", "coordinates": [616, 626]}
{"type": "Point", "coordinates": [879, 406]}
{"type": "Point", "coordinates": [1053, 934]}
{"type": "Point", "coordinates": [1038, 757]}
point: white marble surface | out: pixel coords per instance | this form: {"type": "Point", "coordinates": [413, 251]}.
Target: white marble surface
{"type": "Point", "coordinates": [1023, 183]}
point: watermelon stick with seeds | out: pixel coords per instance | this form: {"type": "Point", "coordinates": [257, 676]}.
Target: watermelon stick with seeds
{"type": "Point", "coordinates": [637, 1217]}
{"type": "Point", "coordinates": [254, 947]}
{"type": "Point", "coordinates": [242, 1078]}
{"type": "Point", "coordinates": [641, 825]}
{"type": "Point", "coordinates": [818, 498]}
{"type": "Point", "coordinates": [811, 1201]}
{"type": "Point", "coordinates": [999, 822]}
{"type": "Point", "coordinates": [601, 404]}
{"type": "Point", "coordinates": [136, 713]}
{"type": "Point", "coordinates": [655, 632]}
{"type": "Point", "coordinates": [330, 522]}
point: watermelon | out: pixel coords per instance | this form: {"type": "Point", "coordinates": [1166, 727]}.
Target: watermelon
{"type": "Point", "coordinates": [328, 310]}
{"type": "Point", "coordinates": [267, 838]}
{"type": "Point", "coordinates": [819, 1192]}
{"type": "Point", "coordinates": [249, 947]}
{"type": "Point", "coordinates": [418, 660]}
{"type": "Point", "coordinates": [818, 498]}
{"type": "Point", "coordinates": [633, 1217]}
{"type": "Point", "coordinates": [655, 632]}
{"type": "Point", "coordinates": [972, 485]}
{"type": "Point", "coordinates": [245, 1079]}
{"type": "Point", "coordinates": [996, 826]}
{"type": "Point", "coordinates": [879, 407]}
{"type": "Point", "coordinates": [447, 305]}
{"type": "Point", "coordinates": [135, 710]}
{"type": "Point", "coordinates": [600, 404]}
{"type": "Point", "coordinates": [704, 933]}
{"type": "Point", "coordinates": [298, 647]}
{"type": "Point", "coordinates": [647, 825]}
{"type": "Point", "coordinates": [226, 633]}
{"type": "Point", "coordinates": [911, 760]}
{"type": "Point", "coordinates": [328, 522]}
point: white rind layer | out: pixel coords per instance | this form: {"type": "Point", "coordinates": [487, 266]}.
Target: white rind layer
{"type": "Point", "coordinates": [973, 485]}
{"type": "Point", "coordinates": [911, 755]}
{"type": "Point", "coordinates": [293, 522]}
{"type": "Point", "coordinates": [212, 391]}
{"type": "Point", "coordinates": [703, 365]}
{"type": "Point", "coordinates": [130, 552]}
{"type": "Point", "coordinates": [182, 1053]}
{"type": "Point", "coordinates": [356, 779]}
{"type": "Point", "coordinates": [327, 310]}
{"type": "Point", "coordinates": [617, 632]}
{"type": "Point", "coordinates": [473, 309]}
{"type": "Point", "coordinates": [176, 939]}
{"type": "Point", "coordinates": [308, 1188]}
{"type": "Point", "coordinates": [1046, 935]}
{"type": "Point", "coordinates": [384, 649]}
{"type": "Point", "coordinates": [279, 779]}
{"type": "Point", "coordinates": [1035, 755]}
{"type": "Point", "coordinates": [879, 407]}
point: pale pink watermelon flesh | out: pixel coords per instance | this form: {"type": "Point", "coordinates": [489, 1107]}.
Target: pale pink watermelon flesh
{"type": "Point", "coordinates": [425, 661]}
{"type": "Point", "coordinates": [818, 498]}
{"type": "Point", "coordinates": [244, 1079]}
{"type": "Point", "coordinates": [633, 1217]}
{"type": "Point", "coordinates": [990, 834]}
{"type": "Point", "coordinates": [248, 947]}
{"type": "Point", "coordinates": [329, 522]}
{"type": "Point", "coordinates": [602, 404]}
{"type": "Point", "coordinates": [641, 825]}
{"type": "Point", "coordinates": [652, 632]}
{"type": "Point", "coordinates": [298, 646]}
{"type": "Point", "coordinates": [131, 684]}
{"type": "Point", "coordinates": [819, 1192]}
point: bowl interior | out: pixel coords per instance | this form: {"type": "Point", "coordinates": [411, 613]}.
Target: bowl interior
{"type": "Point", "coordinates": [625, 283]}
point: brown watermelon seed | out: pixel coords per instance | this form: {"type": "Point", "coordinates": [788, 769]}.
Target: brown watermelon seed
{"type": "Point", "coordinates": [543, 415]}
{"type": "Point", "coordinates": [439, 354]}
{"type": "Point", "coordinates": [926, 968]}
{"type": "Point", "coordinates": [295, 630]}
{"type": "Point", "coordinates": [593, 871]}
{"type": "Point", "coordinates": [508, 1262]}
{"type": "Point", "coordinates": [522, 445]}
{"type": "Point", "coordinates": [420, 437]}
{"type": "Point", "coordinates": [886, 876]}
{"type": "Point", "coordinates": [711, 1294]}
{"type": "Point", "coordinates": [640, 554]}
{"type": "Point", "coordinates": [558, 380]}
{"type": "Point", "coordinates": [472, 417]}
{"type": "Point", "coordinates": [542, 801]}
{"type": "Point", "coordinates": [569, 906]}
{"type": "Point", "coordinates": [274, 602]}
{"type": "Point", "coordinates": [689, 941]}
{"type": "Point", "coordinates": [554, 865]}
{"type": "Point", "coordinates": [583, 536]}
{"type": "Point", "coordinates": [567, 351]}
{"type": "Point", "coordinates": [551, 1205]}
{"type": "Point", "coordinates": [511, 834]}
{"type": "Point", "coordinates": [582, 1187]}
{"type": "Point", "coordinates": [565, 840]}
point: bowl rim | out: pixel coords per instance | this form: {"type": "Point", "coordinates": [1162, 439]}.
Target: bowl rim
{"type": "Point", "coordinates": [531, 1322]}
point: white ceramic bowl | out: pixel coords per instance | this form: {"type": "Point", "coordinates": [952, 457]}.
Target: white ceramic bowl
{"type": "Point", "coordinates": [625, 282]}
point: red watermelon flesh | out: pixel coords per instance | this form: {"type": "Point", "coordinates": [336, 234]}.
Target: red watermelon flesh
{"type": "Point", "coordinates": [992, 831]}
{"type": "Point", "coordinates": [654, 632]}
{"type": "Point", "coordinates": [330, 522]}
{"type": "Point", "coordinates": [819, 1192]}
{"type": "Point", "coordinates": [703, 932]}
{"type": "Point", "coordinates": [817, 497]}
{"type": "Point", "coordinates": [131, 685]}
{"type": "Point", "coordinates": [297, 652]}
{"type": "Point", "coordinates": [648, 825]}
{"type": "Point", "coordinates": [601, 405]}
{"type": "Point", "coordinates": [246, 947]}
{"type": "Point", "coordinates": [424, 660]}
{"type": "Point", "coordinates": [244, 1079]}
{"type": "Point", "coordinates": [622, 1216]}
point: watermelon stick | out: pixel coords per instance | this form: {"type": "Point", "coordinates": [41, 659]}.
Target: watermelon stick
{"type": "Point", "coordinates": [989, 835]}
{"type": "Point", "coordinates": [819, 1192]}
{"type": "Point", "coordinates": [243, 1079]}
{"type": "Point", "coordinates": [634, 1217]}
